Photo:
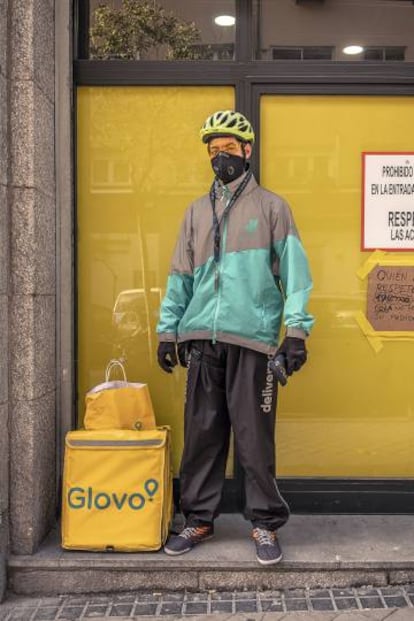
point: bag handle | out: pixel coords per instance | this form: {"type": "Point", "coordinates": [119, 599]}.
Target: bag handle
{"type": "Point", "coordinates": [112, 364]}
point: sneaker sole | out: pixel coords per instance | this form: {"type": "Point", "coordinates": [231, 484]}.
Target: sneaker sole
{"type": "Point", "coordinates": [177, 553]}
{"type": "Point", "coordinates": [273, 561]}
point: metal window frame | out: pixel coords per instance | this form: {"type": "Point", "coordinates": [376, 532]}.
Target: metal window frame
{"type": "Point", "coordinates": [252, 78]}
{"type": "Point", "coordinates": [302, 49]}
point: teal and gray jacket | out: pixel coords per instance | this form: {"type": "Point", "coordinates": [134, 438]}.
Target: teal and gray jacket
{"type": "Point", "coordinates": [261, 278]}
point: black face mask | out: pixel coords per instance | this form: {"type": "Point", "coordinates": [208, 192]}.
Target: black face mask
{"type": "Point", "coordinates": [228, 167]}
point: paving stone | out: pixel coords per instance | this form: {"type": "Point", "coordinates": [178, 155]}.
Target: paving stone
{"type": "Point", "coordinates": [170, 608]}
{"type": "Point", "coordinates": [246, 605]}
{"type": "Point", "coordinates": [391, 590]}
{"type": "Point", "coordinates": [196, 608]}
{"type": "Point", "coordinates": [100, 600]}
{"type": "Point", "coordinates": [196, 597]}
{"type": "Point", "coordinates": [121, 610]}
{"type": "Point", "coordinates": [173, 597]}
{"type": "Point", "coordinates": [343, 592]}
{"type": "Point", "coordinates": [379, 614]}
{"type": "Point", "coordinates": [222, 606]}
{"type": "Point", "coordinates": [406, 614]}
{"type": "Point", "coordinates": [147, 597]}
{"type": "Point", "coordinates": [145, 609]}
{"type": "Point", "coordinates": [95, 611]}
{"type": "Point", "coordinates": [320, 593]}
{"type": "Point", "coordinates": [71, 612]}
{"type": "Point", "coordinates": [311, 616]}
{"type": "Point", "coordinates": [294, 593]}
{"type": "Point", "coordinates": [224, 595]}
{"type": "Point", "coordinates": [22, 614]}
{"type": "Point", "coordinates": [346, 603]}
{"type": "Point", "coordinates": [270, 594]}
{"type": "Point", "coordinates": [245, 595]}
{"type": "Point", "coordinates": [322, 603]}
{"type": "Point", "coordinates": [296, 604]}
{"type": "Point", "coordinates": [46, 613]}
{"type": "Point", "coordinates": [272, 606]}
{"type": "Point", "coordinates": [396, 601]}
{"type": "Point", "coordinates": [355, 616]}
{"type": "Point", "coordinates": [125, 599]}
{"type": "Point", "coordinates": [369, 592]}
{"type": "Point", "coordinates": [371, 602]}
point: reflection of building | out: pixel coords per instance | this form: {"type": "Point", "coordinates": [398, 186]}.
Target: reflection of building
{"type": "Point", "coordinates": [109, 175]}
{"type": "Point", "coordinates": [314, 30]}
{"type": "Point", "coordinates": [302, 30]}
{"type": "Point", "coordinates": [326, 52]}
{"type": "Point", "coordinates": [215, 51]}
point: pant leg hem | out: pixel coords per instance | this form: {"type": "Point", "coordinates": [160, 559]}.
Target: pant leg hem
{"type": "Point", "coordinates": [272, 526]}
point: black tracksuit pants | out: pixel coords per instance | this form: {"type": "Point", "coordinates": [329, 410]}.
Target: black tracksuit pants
{"type": "Point", "coordinates": [229, 386]}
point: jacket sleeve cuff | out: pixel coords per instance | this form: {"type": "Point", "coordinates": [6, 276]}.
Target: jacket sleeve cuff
{"type": "Point", "coordinates": [297, 333]}
{"type": "Point", "coordinates": [167, 337]}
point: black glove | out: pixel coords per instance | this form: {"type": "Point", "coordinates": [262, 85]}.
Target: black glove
{"type": "Point", "coordinates": [294, 352]}
{"type": "Point", "coordinates": [183, 350]}
{"type": "Point", "coordinates": [167, 357]}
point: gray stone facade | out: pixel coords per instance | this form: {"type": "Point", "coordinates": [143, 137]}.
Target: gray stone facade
{"type": "Point", "coordinates": [28, 384]}
{"type": "Point", "coordinates": [4, 261]}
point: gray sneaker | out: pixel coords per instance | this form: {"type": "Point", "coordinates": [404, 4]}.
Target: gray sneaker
{"type": "Point", "coordinates": [187, 539]}
{"type": "Point", "coordinates": [268, 551]}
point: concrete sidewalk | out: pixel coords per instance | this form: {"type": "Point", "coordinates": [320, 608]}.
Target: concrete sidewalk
{"type": "Point", "coordinates": [335, 568]}
{"type": "Point", "coordinates": [319, 551]}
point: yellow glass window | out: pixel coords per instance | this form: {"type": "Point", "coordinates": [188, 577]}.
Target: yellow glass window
{"type": "Point", "coordinates": [140, 163]}
{"type": "Point", "coordinates": [350, 411]}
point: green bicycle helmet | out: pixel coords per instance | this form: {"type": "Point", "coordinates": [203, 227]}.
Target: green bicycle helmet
{"type": "Point", "coordinates": [227, 123]}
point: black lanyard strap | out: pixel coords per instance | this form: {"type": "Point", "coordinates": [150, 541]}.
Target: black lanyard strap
{"type": "Point", "coordinates": [216, 221]}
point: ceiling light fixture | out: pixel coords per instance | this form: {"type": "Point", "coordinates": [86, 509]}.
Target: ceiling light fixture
{"type": "Point", "coordinates": [225, 20]}
{"type": "Point", "coordinates": [353, 49]}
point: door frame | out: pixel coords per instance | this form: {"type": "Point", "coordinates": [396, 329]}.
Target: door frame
{"type": "Point", "coordinates": [251, 79]}
{"type": "Point", "coordinates": [335, 494]}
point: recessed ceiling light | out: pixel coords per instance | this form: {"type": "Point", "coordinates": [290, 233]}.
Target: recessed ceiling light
{"type": "Point", "coordinates": [353, 49]}
{"type": "Point", "coordinates": [225, 20]}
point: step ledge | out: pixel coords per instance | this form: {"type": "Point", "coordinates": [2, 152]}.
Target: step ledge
{"type": "Point", "coordinates": [134, 562]}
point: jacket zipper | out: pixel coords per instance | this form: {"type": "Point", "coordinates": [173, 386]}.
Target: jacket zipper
{"type": "Point", "coordinates": [217, 278]}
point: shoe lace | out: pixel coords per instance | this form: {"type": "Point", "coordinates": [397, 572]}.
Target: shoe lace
{"type": "Point", "coordinates": [194, 532]}
{"type": "Point", "coordinates": [264, 537]}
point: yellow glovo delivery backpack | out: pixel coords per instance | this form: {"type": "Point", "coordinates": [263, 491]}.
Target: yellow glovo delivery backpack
{"type": "Point", "coordinates": [117, 490]}
{"type": "Point", "coordinates": [117, 482]}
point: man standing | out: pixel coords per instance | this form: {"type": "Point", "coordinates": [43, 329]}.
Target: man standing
{"type": "Point", "coordinates": [238, 268]}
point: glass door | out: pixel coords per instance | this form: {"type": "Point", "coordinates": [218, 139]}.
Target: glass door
{"type": "Point", "coordinates": [140, 163]}
{"type": "Point", "coordinates": [350, 411]}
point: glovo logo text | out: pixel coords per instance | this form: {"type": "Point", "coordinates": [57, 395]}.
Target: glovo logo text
{"type": "Point", "coordinates": [87, 498]}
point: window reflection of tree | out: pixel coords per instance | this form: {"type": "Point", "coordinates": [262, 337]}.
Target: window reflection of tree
{"type": "Point", "coordinates": [160, 30]}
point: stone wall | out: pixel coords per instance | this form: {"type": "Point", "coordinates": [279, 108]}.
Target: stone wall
{"type": "Point", "coordinates": [4, 262]}
{"type": "Point", "coordinates": [27, 275]}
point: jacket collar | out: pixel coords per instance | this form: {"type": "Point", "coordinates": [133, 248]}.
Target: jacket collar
{"type": "Point", "coordinates": [226, 191]}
